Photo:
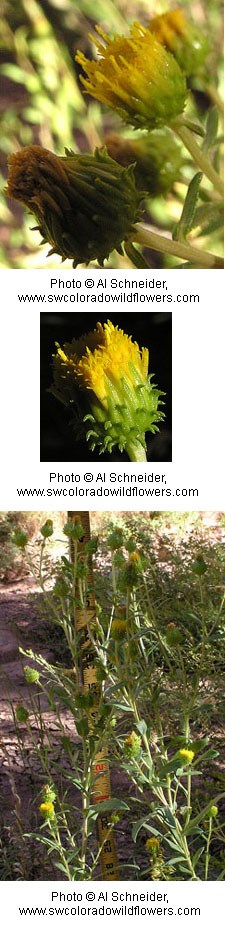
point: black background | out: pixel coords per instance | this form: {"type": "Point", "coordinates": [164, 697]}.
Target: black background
{"type": "Point", "coordinates": [151, 330]}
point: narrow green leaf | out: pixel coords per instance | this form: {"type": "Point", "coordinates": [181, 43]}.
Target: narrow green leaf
{"type": "Point", "coordinates": [186, 220]}
{"type": "Point", "coordinates": [107, 806]}
{"type": "Point", "coordinates": [211, 128]}
{"type": "Point", "coordinates": [142, 823]}
{"type": "Point", "coordinates": [198, 855]}
{"type": "Point", "coordinates": [135, 256]}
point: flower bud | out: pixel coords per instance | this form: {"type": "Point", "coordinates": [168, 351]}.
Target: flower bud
{"type": "Point", "coordinates": [152, 845]}
{"type": "Point", "coordinates": [118, 629]}
{"type": "Point", "coordinates": [132, 745]}
{"type": "Point", "coordinates": [73, 529]}
{"type": "Point", "coordinates": [213, 812]}
{"type": "Point", "coordinates": [20, 538]}
{"type": "Point", "coordinates": [181, 37]}
{"type": "Point", "coordinates": [120, 401]}
{"type": "Point", "coordinates": [49, 793]}
{"type": "Point", "coordinates": [47, 529]}
{"type": "Point", "coordinates": [157, 156]}
{"type": "Point", "coordinates": [31, 675]}
{"type": "Point", "coordinates": [199, 566]}
{"type": "Point", "coordinates": [135, 76]}
{"type": "Point", "coordinates": [115, 539]}
{"type": "Point", "coordinates": [132, 570]}
{"type": "Point", "coordinates": [21, 713]}
{"type": "Point", "coordinates": [173, 635]}
{"type": "Point", "coordinates": [85, 205]}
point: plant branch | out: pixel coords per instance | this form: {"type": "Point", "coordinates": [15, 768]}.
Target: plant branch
{"type": "Point", "coordinates": [159, 243]}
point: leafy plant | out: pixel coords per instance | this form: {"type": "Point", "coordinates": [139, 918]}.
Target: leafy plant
{"type": "Point", "coordinates": [155, 646]}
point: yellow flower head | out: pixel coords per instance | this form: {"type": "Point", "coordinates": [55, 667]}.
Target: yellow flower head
{"type": "Point", "coordinates": [135, 76]}
{"type": "Point", "coordinates": [186, 755]}
{"type": "Point", "coordinates": [47, 809]}
{"type": "Point", "coordinates": [118, 628]}
{"type": "Point", "coordinates": [85, 205]}
{"type": "Point", "coordinates": [182, 38]}
{"type": "Point", "coordinates": [112, 372]}
{"type": "Point", "coordinates": [152, 845]}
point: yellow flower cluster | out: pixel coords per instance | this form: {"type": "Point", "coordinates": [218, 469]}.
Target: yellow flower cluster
{"type": "Point", "coordinates": [136, 76]}
{"type": "Point", "coordinates": [186, 755]}
{"type": "Point", "coordinates": [104, 355]}
{"type": "Point", "coordinates": [112, 372]}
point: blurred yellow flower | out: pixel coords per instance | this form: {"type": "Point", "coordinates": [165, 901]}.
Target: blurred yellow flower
{"type": "Point", "coordinates": [152, 845]}
{"type": "Point", "coordinates": [47, 809]}
{"type": "Point", "coordinates": [181, 37]}
{"type": "Point", "coordinates": [186, 755]}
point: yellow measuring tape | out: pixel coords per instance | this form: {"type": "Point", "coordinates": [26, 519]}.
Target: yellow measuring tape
{"type": "Point", "coordinates": [102, 788]}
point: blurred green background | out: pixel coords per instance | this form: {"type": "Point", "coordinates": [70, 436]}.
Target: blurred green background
{"type": "Point", "coordinates": [42, 101]}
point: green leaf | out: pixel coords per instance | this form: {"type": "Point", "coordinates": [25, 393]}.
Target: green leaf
{"type": "Point", "coordinates": [211, 128]}
{"type": "Point", "coordinates": [13, 72]}
{"type": "Point", "coordinates": [174, 860]}
{"type": "Point", "coordinates": [61, 867]}
{"type": "Point", "coordinates": [141, 727]}
{"type": "Point", "coordinates": [143, 824]}
{"type": "Point", "coordinates": [168, 817]}
{"type": "Point", "coordinates": [171, 766]}
{"type": "Point", "coordinates": [107, 806]}
{"type": "Point", "coordinates": [186, 220]}
{"type": "Point", "coordinates": [135, 256]}
{"type": "Point", "coordinates": [197, 855]}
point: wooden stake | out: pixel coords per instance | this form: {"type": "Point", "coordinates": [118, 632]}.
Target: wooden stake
{"type": "Point", "coordinates": [102, 787]}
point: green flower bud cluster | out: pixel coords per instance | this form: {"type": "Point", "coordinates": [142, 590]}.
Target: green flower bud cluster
{"type": "Point", "coordinates": [73, 529]}
{"type": "Point", "coordinates": [132, 745]}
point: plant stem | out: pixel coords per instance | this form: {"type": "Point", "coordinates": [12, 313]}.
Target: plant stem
{"type": "Point", "coordinates": [199, 157]}
{"type": "Point", "coordinates": [136, 452]}
{"type": "Point", "coordinates": [207, 854]}
{"type": "Point", "coordinates": [159, 243]}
